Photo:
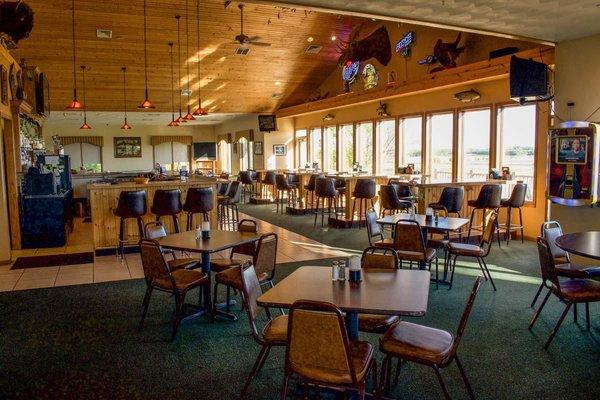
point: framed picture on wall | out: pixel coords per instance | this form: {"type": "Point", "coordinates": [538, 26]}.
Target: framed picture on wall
{"type": "Point", "coordinates": [258, 148]}
{"type": "Point", "coordinates": [128, 147]}
{"type": "Point", "coordinates": [279, 149]}
{"type": "Point", "coordinates": [3, 85]}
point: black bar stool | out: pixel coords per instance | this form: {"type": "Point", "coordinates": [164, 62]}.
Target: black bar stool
{"type": "Point", "coordinates": [198, 200]}
{"type": "Point", "coordinates": [450, 201]}
{"type": "Point", "coordinates": [269, 182]}
{"type": "Point", "coordinates": [222, 188]}
{"type": "Point", "coordinates": [224, 175]}
{"type": "Point", "coordinates": [404, 191]}
{"type": "Point", "coordinates": [167, 202]}
{"type": "Point", "coordinates": [310, 190]}
{"type": "Point", "coordinates": [132, 204]}
{"type": "Point", "coordinates": [228, 204]}
{"type": "Point", "coordinates": [390, 202]}
{"type": "Point", "coordinates": [282, 185]}
{"type": "Point", "coordinates": [340, 186]}
{"type": "Point", "coordinates": [488, 199]}
{"type": "Point", "coordinates": [516, 200]}
{"type": "Point", "coordinates": [246, 177]}
{"type": "Point", "coordinates": [325, 190]}
{"type": "Point", "coordinates": [363, 192]}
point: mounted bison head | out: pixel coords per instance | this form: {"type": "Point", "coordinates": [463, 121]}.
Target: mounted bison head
{"type": "Point", "coordinates": [377, 45]}
{"type": "Point", "coordinates": [16, 19]}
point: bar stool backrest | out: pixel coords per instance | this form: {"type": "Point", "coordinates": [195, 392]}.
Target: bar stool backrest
{"type": "Point", "coordinates": [199, 200]}
{"type": "Point", "coordinates": [166, 202]}
{"type": "Point", "coordinates": [224, 175]}
{"type": "Point", "coordinates": [402, 188]}
{"type": "Point", "coordinates": [388, 198]}
{"type": "Point", "coordinates": [312, 181]}
{"type": "Point", "coordinates": [234, 192]}
{"type": "Point", "coordinates": [490, 228]}
{"type": "Point", "coordinates": [132, 204]}
{"type": "Point", "coordinates": [518, 194]}
{"type": "Point", "coordinates": [281, 182]}
{"type": "Point", "coordinates": [325, 187]}
{"type": "Point", "coordinates": [452, 198]}
{"type": "Point", "coordinates": [294, 179]}
{"type": "Point", "coordinates": [269, 178]}
{"type": "Point", "coordinates": [222, 188]}
{"type": "Point", "coordinates": [246, 177]}
{"type": "Point", "coordinates": [551, 230]}
{"type": "Point", "coordinates": [489, 196]}
{"type": "Point", "coordinates": [364, 189]}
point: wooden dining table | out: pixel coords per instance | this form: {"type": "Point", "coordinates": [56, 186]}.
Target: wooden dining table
{"type": "Point", "coordinates": [585, 244]}
{"type": "Point", "coordinates": [385, 292]}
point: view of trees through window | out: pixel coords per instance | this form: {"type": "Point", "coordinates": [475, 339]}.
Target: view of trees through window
{"type": "Point", "coordinates": [346, 147]}
{"type": "Point", "coordinates": [410, 139]}
{"type": "Point", "coordinates": [315, 146]}
{"type": "Point", "coordinates": [330, 155]}
{"type": "Point", "coordinates": [364, 139]}
{"type": "Point", "coordinates": [386, 146]}
{"type": "Point", "coordinates": [474, 133]}
{"type": "Point", "coordinates": [439, 136]}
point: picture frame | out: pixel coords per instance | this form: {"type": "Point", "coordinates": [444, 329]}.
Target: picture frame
{"type": "Point", "coordinates": [128, 147]}
{"type": "Point", "coordinates": [258, 148]}
{"type": "Point", "coordinates": [280, 149]}
{"type": "Point", "coordinates": [3, 85]}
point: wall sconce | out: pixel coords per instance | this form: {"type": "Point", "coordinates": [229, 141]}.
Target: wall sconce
{"type": "Point", "coordinates": [328, 117]}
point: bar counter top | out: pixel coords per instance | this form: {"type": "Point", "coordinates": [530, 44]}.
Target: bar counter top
{"type": "Point", "coordinates": [451, 182]}
{"type": "Point", "coordinates": [196, 180]}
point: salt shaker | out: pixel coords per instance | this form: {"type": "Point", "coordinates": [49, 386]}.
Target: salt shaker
{"type": "Point", "coordinates": [342, 271]}
{"type": "Point", "coordinates": [334, 271]}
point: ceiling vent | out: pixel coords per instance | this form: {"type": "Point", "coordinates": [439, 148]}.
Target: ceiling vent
{"type": "Point", "coordinates": [104, 33]}
{"type": "Point", "coordinates": [313, 49]}
{"type": "Point", "coordinates": [186, 92]}
{"type": "Point", "coordinates": [242, 51]}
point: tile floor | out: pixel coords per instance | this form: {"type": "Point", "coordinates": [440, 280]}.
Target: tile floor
{"type": "Point", "coordinates": [291, 248]}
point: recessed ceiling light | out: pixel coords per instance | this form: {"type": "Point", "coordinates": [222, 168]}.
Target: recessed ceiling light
{"type": "Point", "coordinates": [333, 38]}
{"type": "Point", "coordinates": [310, 39]}
{"type": "Point", "coordinates": [277, 83]}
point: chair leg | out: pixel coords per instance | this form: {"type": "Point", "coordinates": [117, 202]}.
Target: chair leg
{"type": "Point", "coordinates": [537, 295]}
{"type": "Point", "coordinates": [507, 234]}
{"type": "Point", "coordinates": [179, 300]}
{"type": "Point", "coordinates": [441, 381]}
{"type": "Point", "coordinates": [575, 313]}
{"type": "Point", "coordinates": [587, 316]}
{"type": "Point", "coordinates": [464, 377]}
{"type": "Point", "coordinates": [188, 224]}
{"type": "Point", "coordinates": [397, 374]}
{"type": "Point", "coordinates": [283, 393]}
{"type": "Point", "coordinates": [497, 229]}
{"type": "Point", "coordinates": [176, 223]}
{"type": "Point", "coordinates": [437, 281]}
{"type": "Point", "coordinates": [557, 327]}
{"type": "Point", "coordinates": [316, 213]}
{"type": "Point", "coordinates": [488, 273]}
{"type": "Point", "coordinates": [470, 225]}
{"type": "Point", "coordinates": [539, 310]}
{"type": "Point", "coordinates": [384, 374]}
{"type": "Point", "coordinates": [140, 225]}
{"type": "Point", "coordinates": [353, 209]}
{"type": "Point", "coordinates": [257, 364]}
{"type": "Point", "coordinates": [145, 304]}
{"type": "Point", "coordinates": [452, 274]}
{"type": "Point", "coordinates": [213, 311]}
{"type": "Point", "coordinates": [521, 224]}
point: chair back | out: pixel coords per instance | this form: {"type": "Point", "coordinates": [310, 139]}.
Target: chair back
{"type": "Point", "coordinates": [318, 345]}
{"type": "Point", "coordinates": [154, 230]}
{"type": "Point", "coordinates": [246, 177]}
{"type": "Point", "coordinates": [325, 187]}
{"type": "Point", "coordinates": [292, 178]}
{"type": "Point", "coordinates": [452, 198]}
{"type": "Point", "coordinates": [551, 230]}
{"type": "Point", "coordinates": [247, 249]}
{"type": "Point", "coordinates": [490, 227]}
{"type": "Point", "coordinates": [364, 189]}
{"type": "Point", "coordinates": [489, 196]}
{"type": "Point", "coordinates": [269, 178]}
{"type": "Point", "coordinates": [340, 183]}
{"type": "Point", "coordinates": [547, 266]}
{"type": "Point", "coordinates": [167, 202]}
{"type": "Point", "coordinates": [402, 188]}
{"type": "Point", "coordinates": [132, 203]}
{"type": "Point", "coordinates": [312, 181]}
{"type": "Point", "coordinates": [388, 198]}
{"type": "Point", "coordinates": [234, 192]}
{"type": "Point", "coordinates": [281, 182]}
{"type": "Point", "coordinates": [224, 175]}
{"type": "Point", "coordinates": [199, 200]}
{"type": "Point", "coordinates": [223, 188]}
{"type": "Point", "coordinates": [379, 258]}
{"type": "Point", "coordinates": [518, 194]}
{"type": "Point", "coordinates": [266, 255]}
{"type": "Point", "coordinates": [373, 228]}
{"type": "Point", "coordinates": [409, 237]}
{"type": "Point", "coordinates": [465, 316]}
{"type": "Point", "coordinates": [251, 291]}
{"type": "Point", "coordinates": [153, 262]}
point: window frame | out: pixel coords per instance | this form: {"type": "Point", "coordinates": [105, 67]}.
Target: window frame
{"type": "Point", "coordinates": [492, 136]}
{"type": "Point", "coordinates": [377, 145]}
{"type": "Point", "coordinates": [373, 145]}
{"type": "Point", "coordinates": [427, 142]}
{"type": "Point", "coordinates": [423, 134]}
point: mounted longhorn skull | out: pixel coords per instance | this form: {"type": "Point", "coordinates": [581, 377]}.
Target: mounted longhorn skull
{"type": "Point", "coordinates": [377, 45]}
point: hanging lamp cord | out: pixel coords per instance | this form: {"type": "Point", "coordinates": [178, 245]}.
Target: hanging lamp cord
{"type": "Point", "coordinates": [124, 93]}
{"type": "Point", "coordinates": [172, 86]}
{"type": "Point", "coordinates": [145, 53]}
{"type": "Point", "coordinates": [179, 59]}
{"type": "Point", "coordinates": [198, 52]}
{"type": "Point", "coordinates": [74, 59]}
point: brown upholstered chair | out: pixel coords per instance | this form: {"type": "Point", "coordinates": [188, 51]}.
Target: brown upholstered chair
{"type": "Point", "coordinates": [156, 230]}
{"type": "Point", "coordinates": [319, 352]}
{"type": "Point", "coordinates": [570, 292]}
{"type": "Point", "coordinates": [380, 260]}
{"type": "Point", "coordinates": [176, 282]}
{"type": "Point", "coordinates": [562, 262]}
{"type": "Point", "coordinates": [375, 232]}
{"type": "Point", "coordinates": [479, 252]}
{"type": "Point", "coordinates": [410, 246]}
{"type": "Point", "coordinates": [274, 333]}
{"type": "Point", "coordinates": [427, 346]}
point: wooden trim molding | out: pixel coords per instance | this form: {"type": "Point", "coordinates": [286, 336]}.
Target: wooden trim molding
{"type": "Point", "coordinates": [158, 139]}
{"type": "Point", "coordinates": [93, 140]}
{"type": "Point", "coordinates": [225, 137]}
{"type": "Point", "coordinates": [248, 134]}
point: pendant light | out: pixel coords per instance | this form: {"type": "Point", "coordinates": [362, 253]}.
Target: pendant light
{"type": "Point", "coordinates": [85, 124]}
{"type": "Point", "coordinates": [125, 124]}
{"type": "Point", "coordinates": [199, 111]}
{"type": "Point", "coordinates": [146, 104]}
{"type": "Point", "coordinates": [173, 122]}
{"type": "Point", "coordinates": [74, 104]}
{"type": "Point", "coordinates": [178, 17]}
{"type": "Point", "coordinates": [188, 116]}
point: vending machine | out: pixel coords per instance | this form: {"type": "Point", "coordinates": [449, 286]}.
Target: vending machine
{"type": "Point", "coordinates": [574, 164]}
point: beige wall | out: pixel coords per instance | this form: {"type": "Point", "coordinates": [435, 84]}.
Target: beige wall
{"type": "Point", "coordinates": [578, 80]}
{"type": "Point", "coordinates": [57, 126]}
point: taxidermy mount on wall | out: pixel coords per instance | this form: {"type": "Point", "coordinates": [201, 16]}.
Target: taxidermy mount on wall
{"type": "Point", "coordinates": [376, 45]}
{"type": "Point", "coordinates": [445, 54]}
{"type": "Point", "coordinates": [16, 20]}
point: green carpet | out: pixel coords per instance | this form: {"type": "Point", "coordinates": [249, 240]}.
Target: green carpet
{"type": "Point", "coordinates": [81, 342]}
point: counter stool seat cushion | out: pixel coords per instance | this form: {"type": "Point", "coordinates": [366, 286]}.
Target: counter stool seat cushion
{"type": "Point", "coordinates": [185, 279]}
{"type": "Point", "coordinates": [411, 341]}
{"type": "Point", "coordinates": [231, 277]}
{"type": "Point", "coordinates": [465, 249]}
{"type": "Point", "coordinates": [405, 255]}
{"type": "Point", "coordinates": [374, 323]}
{"type": "Point", "coordinates": [179, 263]}
{"type": "Point", "coordinates": [276, 330]}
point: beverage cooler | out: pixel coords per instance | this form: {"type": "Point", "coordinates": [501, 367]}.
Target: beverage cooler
{"type": "Point", "coordinates": [574, 164]}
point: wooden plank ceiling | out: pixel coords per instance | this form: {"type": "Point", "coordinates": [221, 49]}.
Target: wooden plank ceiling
{"type": "Point", "coordinates": [229, 83]}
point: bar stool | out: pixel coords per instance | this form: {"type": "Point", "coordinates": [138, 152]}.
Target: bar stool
{"type": "Point", "coordinates": [167, 202]}
{"type": "Point", "coordinates": [389, 201]}
{"type": "Point", "coordinates": [198, 200]}
{"type": "Point", "coordinates": [488, 199]}
{"type": "Point", "coordinates": [404, 191]}
{"type": "Point", "coordinates": [325, 190]}
{"type": "Point", "coordinates": [269, 182]}
{"type": "Point", "coordinates": [227, 204]}
{"type": "Point", "coordinates": [132, 204]}
{"type": "Point", "coordinates": [340, 186]}
{"type": "Point", "coordinates": [222, 188]}
{"type": "Point", "coordinates": [293, 179]}
{"type": "Point", "coordinates": [516, 200]}
{"type": "Point", "coordinates": [450, 201]}
{"type": "Point", "coordinates": [363, 192]}
{"type": "Point", "coordinates": [282, 185]}
{"type": "Point", "coordinates": [310, 189]}
{"type": "Point", "coordinates": [224, 175]}
{"type": "Point", "coordinates": [247, 183]}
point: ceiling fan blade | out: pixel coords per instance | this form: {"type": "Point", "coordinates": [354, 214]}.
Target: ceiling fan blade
{"type": "Point", "coordinates": [259, 44]}
{"type": "Point", "coordinates": [253, 38]}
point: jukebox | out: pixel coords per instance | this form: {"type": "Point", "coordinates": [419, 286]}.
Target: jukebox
{"type": "Point", "coordinates": [573, 164]}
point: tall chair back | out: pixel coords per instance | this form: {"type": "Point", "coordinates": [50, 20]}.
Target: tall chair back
{"type": "Point", "coordinates": [154, 230]}
{"type": "Point", "coordinates": [364, 189]}
{"type": "Point", "coordinates": [551, 230]}
{"type": "Point", "coordinates": [452, 198]}
{"type": "Point", "coordinates": [409, 237]}
{"type": "Point", "coordinates": [388, 198]}
{"type": "Point", "coordinates": [246, 177]}
{"type": "Point", "coordinates": [167, 202]}
{"type": "Point", "coordinates": [518, 194]}
{"type": "Point", "coordinates": [266, 255]}
{"type": "Point", "coordinates": [489, 196]}
{"type": "Point", "coordinates": [269, 178]}
{"type": "Point", "coordinates": [465, 316]}
{"type": "Point", "coordinates": [547, 266]}
{"type": "Point", "coordinates": [312, 181]}
{"type": "Point", "coordinates": [223, 188]}
{"type": "Point", "coordinates": [199, 200]}
{"type": "Point", "coordinates": [373, 228]}
{"type": "Point", "coordinates": [234, 192]}
{"type": "Point", "coordinates": [281, 182]}
{"type": "Point", "coordinates": [132, 203]}
{"type": "Point", "coordinates": [318, 345]}
{"type": "Point", "coordinates": [153, 262]}
{"type": "Point", "coordinates": [402, 188]}
{"type": "Point", "coordinates": [379, 258]}
{"type": "Point", "coordinates": [248, 249]}
{"type": "Point", "coordinates": [325, 187]}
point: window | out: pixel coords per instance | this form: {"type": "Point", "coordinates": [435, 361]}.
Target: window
{"type": "Point", "coordinates": [244, 154]}
{"type": "Point", "coordinates": [330, 153]}
{"type": "Point", "coordinates": [181, 156]}
{"type": "Point", "coordinates": [440, 129]}
{"type": "Point", "coordinates": [163, 156]}
{"type": "Point", "coordinates": [346, 147]}
{"type": "Point", "coordinates": [474, 137]}
{"type": "Point", "coordinates": [410, 138]}
{"type": "Point", "coordinates": [516, 136]}
{"type": "Point", "coordinates": [225, 155]}
{"type": "Point", "coordinates": [364, 145]}
{"type": "Point", "coordinates": [301, 148]}
{"type": "Point", "coordinates": [85, 155]}
{"type": "Point", "coordinates": [316, 151]}
{"type": "Point", "coordinates": [172, 155]}
{"type": "Point", "coordinates": [386, 146]}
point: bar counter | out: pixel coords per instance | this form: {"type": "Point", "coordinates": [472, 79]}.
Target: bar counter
{"type": "Point", "coordinates": [104, 198]}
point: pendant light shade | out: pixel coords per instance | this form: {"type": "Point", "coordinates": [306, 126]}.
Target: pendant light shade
{"type": "Point", "coordinates": [146, 104]}
{"type": "Point", "coordinates": [180, 119]}
{"type": "Point", "coordinates": [125, 124]}
{"type": "Point", "coordinates": [173, 122]}
{"type": "Point", "coordinates": [74, 104]}
{"type": "Point", "coordinates": [85, 124]}
{"type": "Point", "coordinates": [199, 111]}
{"type": "Point", "coordinates": [188, 116]}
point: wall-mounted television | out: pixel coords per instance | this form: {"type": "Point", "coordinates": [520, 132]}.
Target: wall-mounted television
{"type": "Point", "coordinates": [529, 80]}
{"type": "Point", "coordinates": [571, 149]}
{"type": "Point", "coordinates": [267, 123]}
{"type": "Point", "coordinates": [205, 151]}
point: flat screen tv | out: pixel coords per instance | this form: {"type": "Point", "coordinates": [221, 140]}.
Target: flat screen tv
{"type": "Point", "coordinates": [267, 123]}
{"type": "Point", "coordinates": [205, 150]}
{"type": "Point", "coordinates": [528, 80]}
{"type": "Point", "coordinates": [571, 149]}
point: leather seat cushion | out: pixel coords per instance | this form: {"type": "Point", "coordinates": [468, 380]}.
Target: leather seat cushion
{"type": "Point", "coordinates": [416, 256]}
{"type": "Point", "coordinates": [221, 264]}
{"type": "Point", "coordinates": [581, 290]}
{"type": "Point", "coordinates": [276, 330]}
{"type": "Point", "coordinates": [374, 323]}
{"type": "Point", "coordinates": [417, 342]}
{"type": "Point", "coordinates": [384, 243]}
{"type": "Point", "coordinates": [178, 263]}
{"type": "Point", "coordinates": [505, 203]}
{"type": "Point", "coordinates": [231, 277]}
{"type": "Point", "coordinates": [465, 249]}
{"type": "Point", "coordinates": [185, 279]}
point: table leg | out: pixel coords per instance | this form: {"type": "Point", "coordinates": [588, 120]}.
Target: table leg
{"type": "Point", "coordinates": [218, 306]}
{"type": "Point", "coordinates": [352, 325]}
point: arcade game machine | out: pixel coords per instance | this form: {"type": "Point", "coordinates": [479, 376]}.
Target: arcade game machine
{"type": "Point", "coordinates": [574, 164]}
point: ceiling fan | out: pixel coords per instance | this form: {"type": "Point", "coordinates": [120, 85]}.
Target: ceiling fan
{"type": "Point", "coordinates": [243, 39]}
